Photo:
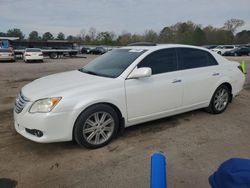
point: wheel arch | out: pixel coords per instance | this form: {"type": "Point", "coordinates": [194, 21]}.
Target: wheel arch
{"type": "Point", "coordinates": [117, 110]}
{"type": "Point", "coordinates": [226, 83]}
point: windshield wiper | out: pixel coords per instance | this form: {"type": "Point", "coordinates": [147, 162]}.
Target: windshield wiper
{"type": "Point", "coordinates": [94, 73]}
{"type": "Point", "coordinates": [88, 72]}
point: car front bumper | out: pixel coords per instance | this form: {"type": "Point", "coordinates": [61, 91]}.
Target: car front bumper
{"type": "Point", "coordinates": [55, 127]}
{"type": "Point", "coordinates": [34, 58]}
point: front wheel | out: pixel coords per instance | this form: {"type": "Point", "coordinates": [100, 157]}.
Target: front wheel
{"type": "Point", "coordinates": [220, 100]}
{"type": "Point", "coordinates": [96, 126]}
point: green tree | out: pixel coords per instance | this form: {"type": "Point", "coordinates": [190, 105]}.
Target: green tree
{"type": "Point", "coordinates": [150, 36]}
{"type": "Point", "coordinates": [2, 34]}
{"type": "Point", "coordinates": [184, 32]}
{"type": "Point", "coordinates": [199, 36]}
{"type": "Point", "coordinates": [15, 33]}
{"type": "Point", "coordinates": [47, 36]}
{"type": "Point", "coordinates": [243, 37]}
{"type": "Point", "coordinates": [124, 39]}
{"type": "Point", "coordinates": [70, 38]}
{"type": "Point", "coordinates": [60, 36]}
{"type": "Point", "coordinates": [166, 35]}
{"type": "Point", "coordinates": [34, 35]}
{"type": "Point", "coordinates": [87, 39]}
{"type": "Point", "coordinates": [105, 37]}
{"type": "Point", "coordinates": [137, 38]}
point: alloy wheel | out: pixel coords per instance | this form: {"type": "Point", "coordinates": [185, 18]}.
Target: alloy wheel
{"type": "Point", "coordinates": [98, 128]}
{"type": "Point", "coordinates": [221, 99]}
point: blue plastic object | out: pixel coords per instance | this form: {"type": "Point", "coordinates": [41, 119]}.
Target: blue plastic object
{"type": "Point", "coordinates": [5, 44]}
{"type": "Point", "coordinates": [158, 171]}
{"type": "Point", "coordinates": [233, 173]}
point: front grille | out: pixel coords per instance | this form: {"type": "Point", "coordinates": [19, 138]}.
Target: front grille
{"type": "Point", "coordinates": [20, 103]}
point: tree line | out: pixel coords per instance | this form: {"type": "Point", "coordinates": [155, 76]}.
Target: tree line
{"type": "Point", "coordinates": [181, 32]}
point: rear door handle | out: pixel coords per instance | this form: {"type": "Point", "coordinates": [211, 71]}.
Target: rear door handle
{"type": "Point", "coordinates": [216, 74]}
{"type": "Point", "coordinates": [176, 81]}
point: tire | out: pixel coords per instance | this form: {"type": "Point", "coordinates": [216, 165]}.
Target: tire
{"type": "Point", "coordinates": [219, 52]}
{"type": "Point", "coordinates": [90, 129]}
{"type": "Point", "coordinates": [53, 55]}
{"type": "Point", "coordinates": [220, 100]}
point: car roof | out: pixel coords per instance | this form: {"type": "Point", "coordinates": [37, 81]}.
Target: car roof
{"type": "Point", "coordinates": [162, 46]}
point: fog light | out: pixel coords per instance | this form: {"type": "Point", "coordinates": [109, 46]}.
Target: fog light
{"type": "Point", "coordinates": [34, 132]}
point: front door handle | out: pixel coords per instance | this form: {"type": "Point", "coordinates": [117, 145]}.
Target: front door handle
{"type": "Point", "coordinates": [216, 74]}
{"type": "Point", "coordinates": [176, 81]}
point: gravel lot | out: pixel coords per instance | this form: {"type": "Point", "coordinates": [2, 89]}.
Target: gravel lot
{"type": "Point", "coordinates": [195, 143]}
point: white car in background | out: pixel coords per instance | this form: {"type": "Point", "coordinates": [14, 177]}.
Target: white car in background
{"type": "Point", "coordinates": [224, 48]}
{"type": "Point", "coordinates": [33, 54]}
{"type": "Point", "coordinates": [124, 87]}
{"type": "Point", "coordinates": [7, 54]}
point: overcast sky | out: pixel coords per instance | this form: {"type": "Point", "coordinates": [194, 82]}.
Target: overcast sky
{"type": "Point", "coordinates": [70, 16]}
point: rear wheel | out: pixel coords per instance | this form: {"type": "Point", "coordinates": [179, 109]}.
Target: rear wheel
{"type": "Point", "coordinates": [96, 126]}
{"type": "Point", "coordinates": [220, 100]}
{"type": "Point", "coordinates": [53, 55]}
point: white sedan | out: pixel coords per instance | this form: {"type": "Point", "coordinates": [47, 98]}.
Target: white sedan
{"type": "Point", "coordinates": [124, 87]}
{"type": "Point", "coordinates": [223, 48]}
{"type": "Point", "coordinates": [33, 54]}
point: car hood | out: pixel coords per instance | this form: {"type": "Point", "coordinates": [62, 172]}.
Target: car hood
{"type": "Point", "coordinates": [61, 84]}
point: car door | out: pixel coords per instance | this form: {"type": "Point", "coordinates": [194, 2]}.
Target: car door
{"type": "Point", "coordinates": [158, 94]}
{"type": "Point", "coordinates": [244, 51]}
{"type": "Point", "coordinates": [200, 73]}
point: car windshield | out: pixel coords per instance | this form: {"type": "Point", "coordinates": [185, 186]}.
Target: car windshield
{"type": "Point", "coordinates": [113, 63]}
{"type": "Point", "coordinates": [33, 50]}
{"type": "Point", "coordinates": [5, 50]}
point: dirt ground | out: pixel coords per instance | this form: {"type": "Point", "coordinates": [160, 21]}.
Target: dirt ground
{"type": "Point", "coordinates": [195, 143]}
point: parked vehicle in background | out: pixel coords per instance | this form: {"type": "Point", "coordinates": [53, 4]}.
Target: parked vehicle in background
{"type": "Point", "coordinates": [223, 48]}
{"type": "Point", "coordinates": [7, 54]}
{"type": "Point", "coordinates": [32, 54]}
{"type": "Point", "coordinates": [85, 50]}
{"type": "Point", "coordinates": [210, 47]}
{"type": "Point", "coordinates": [98, 51]}
{"type": "Point", "coordinates": [238, 52]}
{"type": "Point", "coordinates": [124, 87]}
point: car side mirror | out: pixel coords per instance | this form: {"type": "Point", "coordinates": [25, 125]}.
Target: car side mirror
{"type": "Point", "coordinates": [140, 73]}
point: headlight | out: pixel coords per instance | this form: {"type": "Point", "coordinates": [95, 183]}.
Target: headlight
{"type": "Point", "coordinates": [44, 105]}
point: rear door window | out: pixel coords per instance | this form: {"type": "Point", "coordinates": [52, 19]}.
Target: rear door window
{"type": "Point", "coordinates": [189, 58]}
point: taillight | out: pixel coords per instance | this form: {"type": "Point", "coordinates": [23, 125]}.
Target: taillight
{"type": "Point", "coordinates": [241, 69]}
{"type": "Point", "coordinates": [27, 55]}
{"type": "Point", "coordinates": [40, 54]}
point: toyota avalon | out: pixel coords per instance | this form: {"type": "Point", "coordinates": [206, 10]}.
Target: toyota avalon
{"type": "Point", "coordinates": [124, 87]}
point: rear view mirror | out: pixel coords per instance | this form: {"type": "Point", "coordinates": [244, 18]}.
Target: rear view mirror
{"type": "Point", "coordinates": [140, 73]}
